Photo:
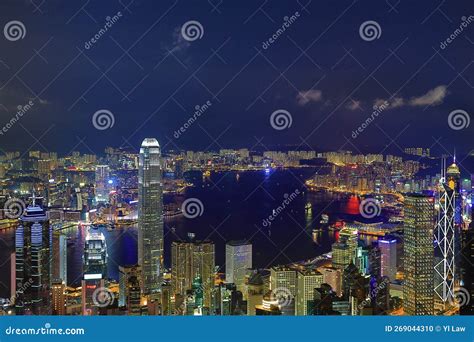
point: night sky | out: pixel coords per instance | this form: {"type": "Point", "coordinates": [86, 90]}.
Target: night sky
{"type": "Point", "coordinates": [319, 70]}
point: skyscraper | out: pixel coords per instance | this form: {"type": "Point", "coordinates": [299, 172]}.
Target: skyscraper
{"type": "Point", "coordinates": [59, 267]}
{"type": "Point", "coordinates": [101, 183]}
{"type": "Point", "coordinates": [33, 258]}
{"type": "Point", "coordinates": [238, 260]}
{"type": "Point", "coordinates": [283, 283]}
{"type": "Point", "coordinates": [388, 257]}
{"type": "Point", "coordinates": [150, 215]}
{"type": "Point", "coordinates": [190, 260]}
{"type": "Point", "coordinates": [94, 272]}
{"type": "Point", "coordinates": [418, 292]}
{"type": "Point", "coordinates": [445, 234]}
{"type": "Point", "coordinates": [307, 282]}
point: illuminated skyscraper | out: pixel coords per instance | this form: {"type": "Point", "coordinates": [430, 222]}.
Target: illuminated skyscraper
{"type": "Point", "coordinates": [127, 275]}
{"type": "Point", "coordinates": [33, 256]}
{"type": "Point", "coordinates": [190, 260]}
{"type": "Point", "coordinates": [388, 257]}
{"type": "Point", "coordinates": [150, 215]}
{"type": "Point", "coordinates": [307, 281]}
{"type": "Point", "coordinates": [255, 292]}
{"type": "Point", "coordinates": [101, 183]}
{"type": "Point", "coordinates": [418, 292]}
{"type": "Point", "coordinates": [445, 234]}
{"type": "Point", "coordinates": [58, 298]}
{"type": "Point", "coordinates": [238, 260]}
{"type": "Point", "coordinates": [95, 271]}
{"type": "Point", "coordinates": [283, 283]}
{"type": "Point", "coordinates": [59, 267]}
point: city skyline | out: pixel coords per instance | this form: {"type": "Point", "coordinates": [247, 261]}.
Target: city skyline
{"type": "Point", "coordinates": [208, 159]}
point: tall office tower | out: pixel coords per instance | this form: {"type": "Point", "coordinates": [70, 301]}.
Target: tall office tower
{"type": "Point", "coordinates": [333, 277]}
{"type": "Point", "coordinates": [341, 255]}
{"type": "Point", "coordinates": [388, 257]}
{"type": "Point", "coordinates": [102, 174]}
{"type": "Point", "coordinates": [467, 276]}
{"type": "Point", "coordinates": [350, 237]}
{"type": "Point", "coordinates": [380, 295]}
{"type": "Point", "coordinates": [94, 273]}
{"type": "Point", "coordinates": [418, 292]}
{"type": "Point", "coordinates": [133, 296]}
{"type": "Point", "coordinates": [191, 259]}
{"type": "Point", "coordinates": [59, 266]}
{"type": "Point", "coordinates": [126, 272]}
{"type": "Point", "coordinates": [283, 286]}
{"type": "Point", "coordinates": [255, 292]}
{"type": "Point", "coordinates": [361, 259]}
{"type": "Point", "coordinates": [375, 261]}
{"type": "Point", "coordinates": [58, 298]}
{"type": "Point", "coordinates": [307, 281]}
{"type": "Point", "coordinates": [323, 300]}
{"type": "Point", "coordinates": [166, 303]}
{"type": "Point", "coordinates": [453, 181]}
{"type": "Point", "coordinates": [33, 250]}
{"type": "Point", "coordinates": [150, 216]}
{"type": "Point", "coordinates": [453, 178]}
{"type": "Point", "coordinates": [238, 260]}
{"type": "Point", "coordinates": [445, 235]}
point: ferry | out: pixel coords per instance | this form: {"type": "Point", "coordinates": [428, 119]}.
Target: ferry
{"type": "Point", "coordinates": [324, 219]}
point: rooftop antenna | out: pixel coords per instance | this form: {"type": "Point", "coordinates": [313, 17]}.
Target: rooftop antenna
{"type": "Point", "coordinates": [34, 198]}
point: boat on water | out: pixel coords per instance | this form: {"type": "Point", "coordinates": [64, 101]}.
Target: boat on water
{"type": "Point", "coordinates": [324, 219]}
